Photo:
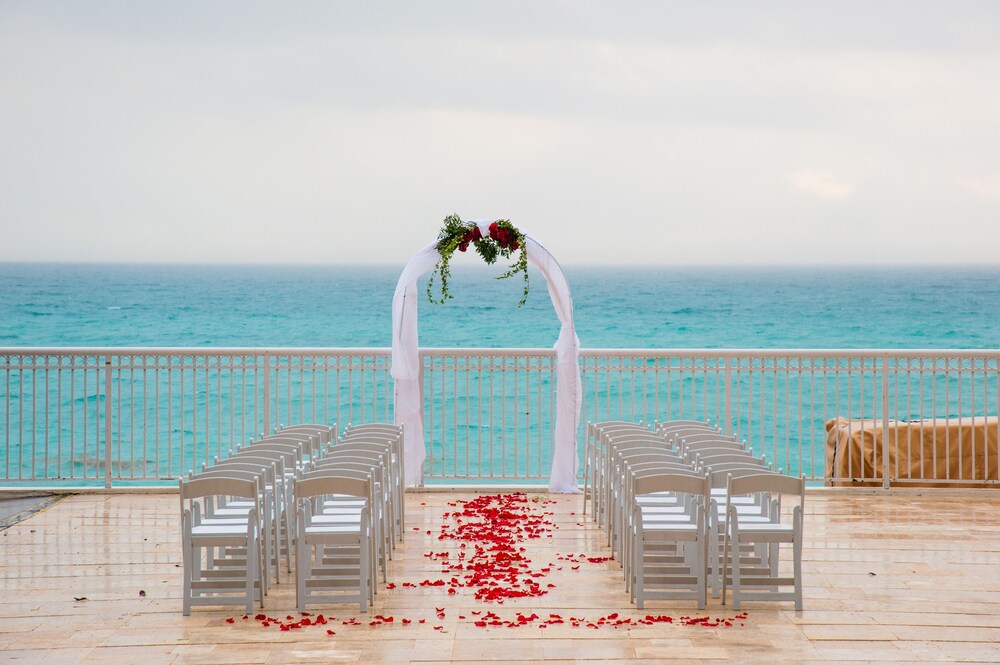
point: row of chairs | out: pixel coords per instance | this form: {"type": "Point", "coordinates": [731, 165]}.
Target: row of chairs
{"type": "Point", "coordinates": [350, 516]}
{"type": "Point", "coordinates": [685, 507]}
{"type": "Point", "coordinates": [333, 501]}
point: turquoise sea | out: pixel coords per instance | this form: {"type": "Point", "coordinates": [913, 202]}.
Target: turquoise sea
{"type": "Point", "coordinates": [615, 307]}
{"type": "Point", "coordinates": [60, 435]}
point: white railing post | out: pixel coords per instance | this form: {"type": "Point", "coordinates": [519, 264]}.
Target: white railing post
{"type": "Point", "coordinates": [428, 461]}
{"type": "Point", "coordinates": [885, 421]}
{"type": "Point", "coordinates": [727, 395]}
{"type": "Point", "coordinates": [107, 422]}
{"type": "Point", "coordinates": [267, 392]}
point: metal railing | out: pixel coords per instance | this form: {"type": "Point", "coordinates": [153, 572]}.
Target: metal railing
{"type": "Point", "coordinates": [85, 416]}
{"type": "Point", "coordinates": [118, 416]}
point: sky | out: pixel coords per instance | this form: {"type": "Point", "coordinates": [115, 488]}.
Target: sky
{"type": "Point", "coordinates": [627, 132]}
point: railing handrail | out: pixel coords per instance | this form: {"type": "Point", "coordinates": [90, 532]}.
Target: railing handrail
{"type": "Point", "coordinates": [188, 350]}
{"type": "Point", "coordinates": [539, 349]}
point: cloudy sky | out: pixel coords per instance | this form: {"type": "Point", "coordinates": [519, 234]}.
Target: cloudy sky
{"type": "Point", "coordinates": [614, 132]}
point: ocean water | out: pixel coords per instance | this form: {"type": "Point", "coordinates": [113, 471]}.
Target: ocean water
{"type": "Point", "coordinates": [50, 436]}
{"type": "Point", "coordinates": [615, 307]}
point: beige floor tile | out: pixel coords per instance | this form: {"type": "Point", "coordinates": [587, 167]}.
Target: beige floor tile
{"type": "Point", "coordinates": [887, 579]}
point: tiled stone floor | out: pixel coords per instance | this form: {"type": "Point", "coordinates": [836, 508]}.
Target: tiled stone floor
{"type": "Point", "coordinates": [895, 578]}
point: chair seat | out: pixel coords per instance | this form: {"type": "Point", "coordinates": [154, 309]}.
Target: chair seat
{"type": "Point", "coordinates": [220, 529]}
{"type": "Point", "coordinates": [758, 529]}
{"type": "Point", "coordinates": [672, 527]}
{"type": "Point", "coordinates": [332, 529]}
{"type": "Point", "coordinates": [332, 520]}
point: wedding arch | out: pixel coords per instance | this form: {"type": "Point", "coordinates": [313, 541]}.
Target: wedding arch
{"type": "Point", "coordinates": [406, 369]}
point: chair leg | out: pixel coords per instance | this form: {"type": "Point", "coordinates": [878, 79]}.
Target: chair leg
{"type": "Point", "coordinates": [365, 582]}
{"type": "Point", "coordinates": [251, 573]}
{"type": "Point", "coordinates": [637, 573]}
{"type": "Point", "coordinates": [302, 567]}
{"type": "Point", "coordinates": [736, 576]}
{"type": "Point", "coordinates": [714, 568]}
{"type": "Point", "coordinates": [702, 571]}
{"type": "Point", "coordinates": [188, 556]}
{"type": "Point", "coordinates": [725, 558]}
{"type": "Point", "coordinates": [797, 557]}
{"type": "Point", "coordinates": [287, 521]}
{"type": "Point", "coordinates": [734, 545]}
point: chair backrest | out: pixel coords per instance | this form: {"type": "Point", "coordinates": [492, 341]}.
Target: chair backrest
{"type": "Point", "coordinates": [275, 459]}
{"type": "Point", "coordinates": [609, 437]}
{"type": "Point", "coordinates": [218, 485]}
{"type": "Point", "coordinates": [309, 444]}
{"type": "Point", "coordinates": [326, 433]}
{"type": "Point", "coordinates": [630, 438]}
{"type": "Point", "coordinates": [376, 459]}
{"type": "Point", "coordinates": [628, 433]}
{"type": "Point", "coordinates": [600, 424]}
{"type": "Point", "coordinates": [651, 468]}
{"type": "Point", "coordinates": [389, 438]}
{"type": "Point", "coordinates": [350, 465]}
{"type": "Point", "coordinates": [642, 455]}
{"type": "Point", "coordinates": [321, 484]}
{"type": "Point", "coordinates": [688, 447]}
{"type": "Point", "coordinates": [347, 468]}
{"type": "Point", "coordinates": [264, 467]}
{"type": "Point", "coordinates": [641, 448]}
{"type": "Point", "coordinates": [774, 483]}
{"type": "Point", "coordinates": [387, 429]}
{"type": "Point", "coordinates": [603, 434]}
{"type": "Point", "coordinates": [720, 473]}
{"type": "Point", "coordinates": [718, 459]}
{"type": "Point", "coordinates": [258, 447]}
{"type": "Point", "coordinates": [599, 429]}
{"type": "Point", "coordinates": [680, 427]}
{"type": "Point", "coordinates": [774, 486]}
{"type": "Point", "coordinates": [286, 459]}
{"type": "Point", "coordinates": [672, 481]}
{"type": "Point", "coordinates": [665, 424]}
{"type": "Point", "coordinates": [379, 445]}
{"type": "Point", "coordinates": [694, 437]}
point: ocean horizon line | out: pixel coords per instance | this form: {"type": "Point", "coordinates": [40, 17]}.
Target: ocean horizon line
{"type": "Point", "coordinates": [483, 267]}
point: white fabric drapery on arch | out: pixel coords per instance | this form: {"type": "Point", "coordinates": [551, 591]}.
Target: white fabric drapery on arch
{"type": "Point", "coordinates": [407, 372]}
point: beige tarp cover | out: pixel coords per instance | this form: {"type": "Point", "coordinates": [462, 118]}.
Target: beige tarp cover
{"type": "Point", "coordinates": [919, 450]}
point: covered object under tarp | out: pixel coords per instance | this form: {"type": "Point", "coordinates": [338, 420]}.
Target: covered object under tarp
{"type": "Point", "coordinates": [923, 453]}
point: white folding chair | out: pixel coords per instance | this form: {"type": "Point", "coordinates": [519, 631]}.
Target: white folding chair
{"type": "Point", "coordinates": [656, 506]}
{"type": "Point", "coordinates": [332, 559]}
{"type": "Point", "coordinates": [264, 472]}
{"type": "Point", "coordinates": [288, 458]}
{"type": "Point", "coordinates": [678, 572]}
{"type": "Point", "coordinates": [362, 465]}
{"type": "Point", "coordinates": [392, 485]}
{"type": "Point", "coordinates": [756, 507]}
{"type": "Point", "coordinates": [592, 467]}
{"type": "Point", "coordinates": [394, 436]}
{"type": "Point", "coordinates": [217, 581]}
{"type": "Point", "coordinates": [764, 579]}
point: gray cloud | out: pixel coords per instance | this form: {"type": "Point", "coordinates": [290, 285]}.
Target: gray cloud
{"type": "Point", "coordinates": [635, 132]}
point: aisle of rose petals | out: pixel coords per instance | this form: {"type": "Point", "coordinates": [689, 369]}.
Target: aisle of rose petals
{"type": "Point", "coordinates": [491, 562]}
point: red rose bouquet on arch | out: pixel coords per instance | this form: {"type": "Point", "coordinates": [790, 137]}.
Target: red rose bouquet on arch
{"type": "Point", "coordinates": [503, 240]}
